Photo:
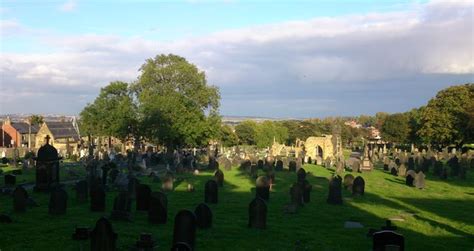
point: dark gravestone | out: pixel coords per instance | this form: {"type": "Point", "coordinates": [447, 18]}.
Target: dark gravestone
{"type": "Point", "coordinates": [184, 228]}
{"type": "Point", "coordinates": [335, 193]}
{"type": "Point", "coordinates": [453, 163]}
{"type": "Point", "coordinates": [260, 164]}
{"type": "Point", "coordinates": [47, 167]}
{"type": "Point", "coordinates": [82, 191]}
{"type": "Point", "coordinates": [394, 171]}
{"type": "Point", "coordinates": [253, 171]}
{"type": "Point", "coordinates": [20, 197]}
{"type": "Point", "coordinates": [10, 180]}
{"type": "Point", "coordinates": [213, 164]}
{"type": "Point", "coordinates": [103, 237]}
{"type": "Point", "coordinates": [358, 187]}
{"type": "Point", "coordinates": [257, 214]}
{"type": "Point", "coordinates": [309, 160]}
{"type": "Point", "coordinates": [409, 180]}
{"type": "Point", "coordinates": [397, 161]}
{"type": "Point", "coordinates": [301, 175]}
{"type": "Point", "coordinates": [4, 160]}
{"type": "Point", "coordinates": [211, 192]}
{"type": "Point", "coordinates": [97, 195]}
{"type": "Point", "coordinates": [203, 216]}
{"type": "Point", "coordinates": [292, 166]}
{"type": "Point", "coordinates": [219, 176]}
{"type": "Point", "coordinates": [279, 165]}
{"type": "Point", "coordinates": [411, 163]}
{"type": "Point", "coordinates": [158, 211]}
{"type": "Point", "coordinates": [387, 240]}
{"type": "Point", "coordinates": [58, 201]}
{"type": "Point", "coordinates": [143, 194]}
{"type": "Point", "coordinates": [348, 181]}
{"type": "Point", "coordinates": [296, 194]}
{"type": "Point", "coordinates": [122, 207]}
{"type": "Point", "coordinates": [385, 167]}
{"type": "Point", "coordinates": [262, 188]}
{"type": "Point", "coordinates": [307, 191]}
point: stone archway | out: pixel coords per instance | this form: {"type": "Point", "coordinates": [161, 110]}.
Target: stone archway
{"type": "Point", "coordinates": [318, 151]}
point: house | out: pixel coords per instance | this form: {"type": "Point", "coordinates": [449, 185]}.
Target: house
{"type": "Point", "coordinates": [63, 136]}
{"type": "Point", "coordinates": [18, 134]}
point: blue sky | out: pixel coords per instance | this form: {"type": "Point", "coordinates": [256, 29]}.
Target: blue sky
{"type": "Point", "coordinates": [269, 58]}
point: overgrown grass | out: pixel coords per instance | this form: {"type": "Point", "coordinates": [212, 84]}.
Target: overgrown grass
{"type": "Point", "coordinates": [436, 218]}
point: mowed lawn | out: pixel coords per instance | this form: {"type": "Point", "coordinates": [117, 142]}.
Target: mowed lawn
{"type": "Point", "coordinates": [439, 217]}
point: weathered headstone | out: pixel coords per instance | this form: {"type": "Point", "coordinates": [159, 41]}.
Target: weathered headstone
{"type": "Point", "coordinates": [355, 166]}
{"type": "Point", "coordinates": [358, 187]}
{"type": "Point", "coordinates": [185, 228]}
{"type": "Point", "coordinates": [47, 167]}
{"type": "Point", "coordinates": [394, 171]}
{"type": "Point", "coordinates": [203, 216]}
{"type": "Point", "coordinates": [143, 194]}
{"type": "Point", "coordinates": [402, 170]}
{"type": "Point", "coordinates": [257, 214]}
{"type": "Point", "coordinates": [279, 165]}
{"type": "Point", "coordinates": [58, 201]}
{"type": "Point", "coordinates": [335, 193]}
{"type": "Point", "coordinates": [211, 192]}
{"type": "Point", "coordinates": [260, 164]}
{"type": "Point", "coordinates": [348, 181]}
{"type": "Point", "coordinates": [219, 176]}
{"type": "Point", "coordinates": [262, 188]}
{"type": "Point", "coordinates": [292, 166]}
{"type": "Point", "coordinates": [122, 207]}
{"type": "Point", "coordinates": [158, 210]}
{"type": "Point", "coordinates": [20, 197]}
{"type": "Point", "coordinates": [420, 180]}
{"type": "Point", "coordinates": [103, 237]}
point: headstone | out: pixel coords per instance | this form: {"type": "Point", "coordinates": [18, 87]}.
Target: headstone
{"type": "Point", "coordinates": [299, 163]}
{"type": "Point", "coordinates": [279, 165]}
{"type": "Point", "coordinates": [219, 176]}
{"type": "Point", "coordinates": [158, 210]}
{"type": "Point", "coordinates": [335, 193]}
{"type": "Point", "coordinates": [257, 214]}
{"type": "Point", "coordinates": [358, 186]}
{"type": "Point", "coordinates": [97, 195]}
{"type": "Point", "coordinates": [356, 166]}
{"type": "Point", "coordinates": [260, 164]}
{"type": "Point", "coordinates": [103, 237]}
{"type": "Point", "coordinates": [20, 197]}
{"type": "Point", "coordinates": [348, 181]}
{"type": "Point", "coordinates": [47, 167]}
{"type": "Point", "coordinates": [82, 191]}
{"type": "Point", "coordinates": [409, 180]}
{"type": "Point", "coordinates": [292, 166]}
{"type": "Point", "coordinates": [262, 188]}
{"type": "Point", "coordinates": [143, 194]}
{"type": "Point", "coordinates": [301, 175]}
{"type": "Point", "coordinates": [58, 201]}
{"type": "Point", "coordinates": [394, 171]}
{"type": "Point", "coordinates": [184, 228]}
{"type": "Point", "coordinates": [387, 240]}
{"type": "Point", "coordinates": [211, 192]}
{"type": "Point", "coordinates": [402, 170]}
{"type": "Point", "coordinates": [10, 180]}
{"type": "Point", "coordinates": [203, 216]}
{"type": "Point", "coordinates": [122, 207]}
{"type": "Point", "coordinates": [420, 180]}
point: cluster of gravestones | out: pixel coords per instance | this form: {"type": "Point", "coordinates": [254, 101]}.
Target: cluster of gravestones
{"type": "Point", "coordinates": [356, 185]}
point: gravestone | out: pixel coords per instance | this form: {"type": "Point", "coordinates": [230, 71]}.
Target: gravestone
{"type": "Point", "coordinates": [219, 176]}
{"type": "Point", "coordinates": [411, 163]}
{"type": "Point", "coordinates": [420, 180]}
{"type": "Point", "coordinates": [257, 214]}
{"type": "Point", "coordinates": [203, 216]}
{"type": "Point", "coordinates": [355, 166]}
{"type": "Point", "coordinates": [103, 237]}
{"type": "Point", "coordinates": [227, 164]}
{"type": "Point", "coordinates": [97, 195]}
{"type": "Point", "coordinates": [296, 194]}
{"type": "Point", "coordinates": [260, 164]}
{"type": "Point", "coordinates": [158, 210]}
{"type": "Point", "coordinates": [335, 193]}
{"type": "Point", "coordinates": [58, 201]}
{"type": "Point", "coordinates": [358, 187]}
{"type": "Point", "coordinates": [409, 180]}
{"type": "Point", "coordinates": [292, 166]}
{"type": "Point", "coordinates": [348, 181]}
{"type": "Point", "coordinates": [20, 197]}
{"type": "Point", "coordinates": [10, 180]}
{"type": "Point", "coordinates": [122, 207]}
{"type": "Point", "coordinates": [143, 197]}
{"type": "Point", "coordinates": [394, 171]}
{"type": "Point", "coordinates": [402, 170]}
{"type": "Point", "coordinates": [301, 175]}
{"type": "Point", "coordinates": [279, 165]}
{"type": "Point", "coordinates": [82, 191]}
{"type": "Point", "coordinates": [339, 167]}
{"type": "Point", "coordinates": [185, 228]}
{"type": "Point", "coordinates": [299, 163]}
{"type": "Point", "coordinates": [47, 167]}
{"type": "Point", "coordinates": [253, 171]}
{"type": "Point", "coordinates": [262, 188]}
{"type": "Point", "coordinates": [211, 192]}
{"type": "Point", "coordinates": [412, 173]}
{"type": "Point", "coordinates": [387, 240]}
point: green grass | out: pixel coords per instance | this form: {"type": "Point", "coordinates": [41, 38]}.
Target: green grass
{"type": "Point", "coordinates": [29, 175]}
{"type": "Point", "coordinates": [443, 216]}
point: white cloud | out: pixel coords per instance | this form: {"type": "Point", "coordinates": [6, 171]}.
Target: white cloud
{"type": "Point", "coordinates": [274, 68]}
{"type": "Point", "coordinates": [68, 6]}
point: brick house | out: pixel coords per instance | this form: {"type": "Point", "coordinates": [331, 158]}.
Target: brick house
{"type": "Point", "coordinates": [17, 134]}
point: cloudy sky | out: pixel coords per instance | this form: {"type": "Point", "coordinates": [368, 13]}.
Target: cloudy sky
{"type": "Point", "coordinates": [269, 58]}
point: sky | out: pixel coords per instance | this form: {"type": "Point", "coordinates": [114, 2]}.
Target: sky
{"type": "Point", "coordinates": [281, 59]}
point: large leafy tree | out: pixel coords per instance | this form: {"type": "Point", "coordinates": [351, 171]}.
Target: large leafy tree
{"type": "Point", "coordinates": [227, 136]}
{"type": "Point", "coordinates": [177, 106]}
{"type": "Point", "coordinates": [246, 131]}
{"type": "Point", "coordinates": [396, 128]}
{"type": "Point", "coordinates": [112, 113]}
{"type": "Point", "coordinates": [445, 119]}
{"type": "Point", "coordinates": [268, 131]}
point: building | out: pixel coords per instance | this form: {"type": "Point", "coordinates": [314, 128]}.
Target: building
{"type": "Point", "coordinates": [18, 134]}
{"type": "Point", "coordinates": [63, 136]}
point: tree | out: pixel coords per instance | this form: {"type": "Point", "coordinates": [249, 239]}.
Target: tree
{"type": "Point", "coordinates": [414, 118]}
{"type": "Point", "coordinates": [300, 130]}
{"type": "Point", "coordinates": [380, 119]}
{"type": "Point", "coordinates": [445, 118]}
{"type": "Point", "coordinates": [396, 128]}
{"type": "Point", "coordinates": [268, 131]}
{"type": "Point", "coordinates": [111, 114]}
{"type": "Point", "coordinates": [228, 137]}
{"type": "Point", "coordinates": [176, 106]}
{"type": "Point", "coordinates": [246, 131]}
